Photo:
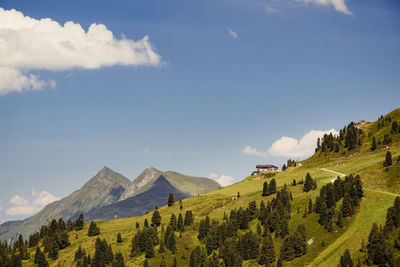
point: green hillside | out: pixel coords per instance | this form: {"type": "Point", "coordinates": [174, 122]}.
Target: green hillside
{"type": "Point", "coordinates": [381, 185]}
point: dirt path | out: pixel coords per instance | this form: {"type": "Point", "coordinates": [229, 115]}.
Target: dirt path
{"type": "Point", "coordinates": [337, 173]}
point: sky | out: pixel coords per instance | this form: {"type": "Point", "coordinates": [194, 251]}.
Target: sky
{"type": "Point", "coordinates": [206, 88]}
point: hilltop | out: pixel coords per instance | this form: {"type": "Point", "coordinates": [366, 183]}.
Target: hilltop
{"type": "Point", "coordinates": [325, 243]}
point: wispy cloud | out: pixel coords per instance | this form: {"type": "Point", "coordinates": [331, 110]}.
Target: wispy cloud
{"type": "Point", "coordinates": [290, 146]}
{"type": "Point", "coordinates": [22, 206]}
{"type": "Point", "coordinates": [223, 180]}
{"type": "Point", "coordinates": [47, 45]}
{"type": "Point", "coordinates": [254, 152]}
{"type": "Point", "coordinates": [338, 5]}
{"type": "Point", "coordinates": [270, 9]}
{"type": "Point", "coordinates": [232, 33]}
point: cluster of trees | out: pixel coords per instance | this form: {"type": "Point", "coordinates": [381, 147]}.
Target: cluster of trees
{"type": "Point", "coordinates": [310, 183]}
{"type": "Point", "coordinates": [289, 163]}
{"type": "Point", "coordinates": [104, 255]}
{"type": "Point", "coordinates": [82, 260]}
{"type": "Point", "coordinates": [224, 238]}
{"type": "Point", "coordinates": [379, 249]}
{"type": "Point", "coordinates": [349, 138]}
{"type": "Point", "coordinates": [294, 245]}
{"type": "Point", "coordinates": [54, 237]}
{"type": "Point", "coordinates": [146, 239]}
{"type": "Point", "coordinates": [93, 229]}
{"type": "Point", "coordinates": [269, 189]}
{"type": "Point", "coordinates": [350, 189]}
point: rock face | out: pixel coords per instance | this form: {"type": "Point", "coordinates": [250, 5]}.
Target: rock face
{"type": "Point", "coordinates": [145, 177]}
{"type": "Point", "coordinates": [105, 188]}
{"type": "Point", "coordinates": [137, 205]}
{"type": "Point", "coordinates": [108, 187]}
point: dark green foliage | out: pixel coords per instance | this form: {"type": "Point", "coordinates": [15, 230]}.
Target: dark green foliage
{"type": "Point", "coordinates": [171, 242]}
{"type": "Point", "coordinates": [79, 223]}
{"type": "Point", "coordinates": [295, 245]}
{"type": "Point", "coordinates": [179, 226]}
{"type": "Point", "coordinates": [204, 228]}
{"type": "Point", "coordinates": [119, 238]}
{"type": "Point", "coordinates": [309, 183]}
{"type": "Point", "coordinates": [265, 189]}
{"type": "Point", "coordinates": [279, 263]}
{"type": "Point", "coordinates": [267, 251]}
{"type": "Point", "coordinates": [146, 263]}
{"type": "Point", "coordinates": [230, 255]}
{"type": "Point", "coordinates": [272, 186]}
{"type": "Point", "coordinates": [93, 229]}
{"type": "Point", "coordinates": [172, 222]}
{"type": "Point", "coordinates": [347, 207]}
{"type": "Point", "coordinates": [252, 210]}
{"type": "Point", "coordinates": [103, 254]}
{"type": "Point", "coordinates": [284, 167]}
{"type": "Point", "coordinates": [79, 253]}
{"type": "Point", "coordinates": [248, 246]}
{"type": "Point", "coordinates": [53, 252]}
{"type": "Point", "coordinates": [118, 260]}
{"type": "Point", "coordinates": [395, 127]}
{"type": "Point", "coordinates": [310, 206]}
{"type": "Point", "coordinates": [379, 251]}
{"type": "Point", "coordinates": [171, 200]}
{"type": "Point", "coordinates": [146, 223]}
{"type": "Point", "coordinates": [345, 259]}
{"type": "Point", "coordinates": [137, 225]}
{"type": "Point", "coordinates": [188, 218]}
{"type": "Point", "coordinates": [388, 160]}
{"type": "Point", "coordinates": [373, 145]}
{"type": "Point", "coordinates": [40, 259]}
{"type": "Point", "coordinates": [197, 257]}
{"type": "Point", "coordinates": [156, 218]}
{"type": "Point", "coordinates": [149, 248]}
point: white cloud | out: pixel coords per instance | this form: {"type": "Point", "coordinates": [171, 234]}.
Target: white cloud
{"type": "Point", "coordinates": [291, 147]}
{"type": "Point", "coordinates": [21, 206]}
{"type": "Point", "coordinates": [44, 198]}
{"type": "Point", "coordinates": [223, 180]}
{"type": "Point", "coordinates": [254, 152]}
{"type": "Point", "coordinates": [338, 5]}
{"type": "Point", "coordinates": [271, 10]}
{"type": "Point", "coordinates": [232, 33]}
{"type": "Point", "coordinates": [30, 44]}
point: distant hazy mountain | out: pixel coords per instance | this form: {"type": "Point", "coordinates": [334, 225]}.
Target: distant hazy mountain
{"type": "Point", "coordinates": [108, 187]}
{"type": "Point", "coordinates": [187, 184]}
{"type": "Point", "coordinates": [156, 195]}
{"type": "Point", "coordinates": [105, 188]}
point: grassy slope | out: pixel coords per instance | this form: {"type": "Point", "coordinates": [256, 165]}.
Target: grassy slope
{"type": "Point", "coordinates": [380, 186]}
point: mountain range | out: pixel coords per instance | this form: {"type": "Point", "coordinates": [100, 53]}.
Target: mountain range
{"type": "Point", "coordinates": [109, 194]}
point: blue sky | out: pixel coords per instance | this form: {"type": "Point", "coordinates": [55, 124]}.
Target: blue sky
{"type": "Point", "coordinates": [228, 74]}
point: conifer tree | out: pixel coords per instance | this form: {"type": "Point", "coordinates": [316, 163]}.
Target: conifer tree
{"type": "Point", "coordinates": [347, 208]}
{"type": "Point", "coordinates": [180, 227]}
{"type": "Point", "coordinates": [37, 254]}
{"type": "Point", "coordinates": [171, 200]}
{"type": "Point", "coordinates": [310, 206]}
{"type": "Point", "coordinates": [373, 145]}
{"type": "Point", "coordinates": [172, 243]}
{"type": "Point", "coordinates": [156, 218]}
{"type": "Point", "coordinates": [146, 223]}
{"type": "Point", "coordinates": [339, 221]}
{"type": "Point", "coordinates": [53, 252]}
{"type": "Point", "coordinates": [119, 238]}
{"type": "Point", "coordinates": [197, 257]}
{"type": "Point", "coordinates": [149, 248]}
{"type": "Point", "coordinates": [272, 186]}
{"type": "Point", "coordinates": [79, 223]}
{"type": "Point", "coordinates": [146, 263]}
{"type": "Point", "coordinates": [308, 184]}
{"type": "Point", "coordinates": [265, 189]}
{"type": "Point", "coordinates": [388, 160]}
{"type": "Point", "coordinates": [93, 229]}
{"type": "Point", "coordinates": [172, 222]}
{"type": "Point", "coordinates": [118, 260]}
{"type": "Point", "coordinates": [345, 259]}
{"type": "Point", "coordinates": [137, 225]}
{"type": "Point", "coordinates": [267, 252]}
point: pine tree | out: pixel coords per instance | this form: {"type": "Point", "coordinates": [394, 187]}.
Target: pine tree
{"type": "Point", "coordinates": [118, 260]}
{"type": "Point", "coordinates": [149, 248]}
{"type": "Point", "coordinates": [379, 251]}
{"type": "Point", "coordinates": [171, 200]}
{"type": "Point", "coordinates": [388, 160]}
{"type": "Point", "coordinates": [146, 223]}
{"type": "Point", "coordinates": [373, 145]}
{"type": "Point", "coordinates": [93, 229]}
{"type": "Point", "coordinates": [267, 252]}
{"type": "Point", "coordinates": [119, 238]}
{"type": "Point", "coordinates": [79, 223]}
{"type": "Point", "coordinates": [37, 254]}
{"type": "Point", "coordinates": [180, 227]}
{"type": "Point", "coordinates": [137, 225]}
{"type": "Point", "coordinates": [308, 184]}
{"type": "Point", "coordinates": [172, 243]}
{"type": "Point", "coordinates": [339, 221]}
{"type": "Point", "coordinates": [146, 263]}
{"type": "Point", "coordinates": [347, 208]}
{"type": "Point", "coordinates": [265, 189]}
{"type": "Point", "coordinates": [310, 206]}
{"type": "Point", "coordinates": [172, 222]}
{"type": "Point", "coordinates": [345, 259]}
{"type": "Point", "coordinates": [395, 127]}
{"type": "Point", "coordinates": [197, 257]}
{"type": "Point", "coordinates": [53, 252]}
{"type": "Point", "coordinates": [156, 218]}
{"type": "Point", "coordinates": [272, 186]}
